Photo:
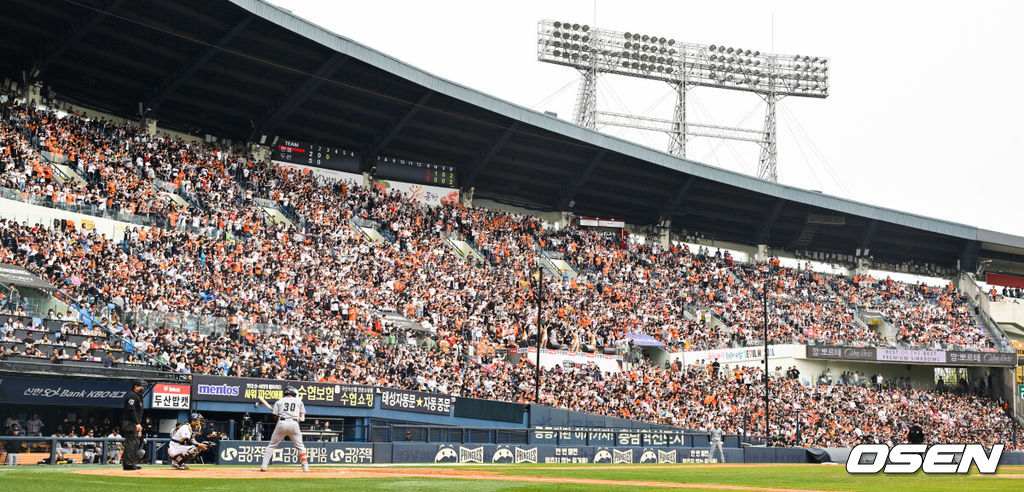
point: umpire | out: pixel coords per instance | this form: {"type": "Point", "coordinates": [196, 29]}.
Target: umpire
{"type": "Point", "coordinates": [131, 425]}
{"type": "Point", "coordinates": [916, 434]}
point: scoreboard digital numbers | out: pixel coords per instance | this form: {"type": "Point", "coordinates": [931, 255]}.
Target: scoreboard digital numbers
{"type": "Point", "coordinates": [417, 172]}
{"type": "Point", "coordinates": [322, 156]}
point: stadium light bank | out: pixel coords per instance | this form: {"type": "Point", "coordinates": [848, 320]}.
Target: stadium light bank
{"type": "Point", "coordinates": [594, 51]}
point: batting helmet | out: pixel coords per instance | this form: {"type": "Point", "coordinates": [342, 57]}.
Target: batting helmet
{"type": "Point", "coordinates": [196, 416]}
{"type": "Point", "coordinates": [289, 391]}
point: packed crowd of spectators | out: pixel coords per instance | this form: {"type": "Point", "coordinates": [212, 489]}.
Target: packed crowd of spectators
{"type": "Point", "coordinates": [321, 287]}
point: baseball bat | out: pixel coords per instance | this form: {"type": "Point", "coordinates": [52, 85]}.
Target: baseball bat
{"type": "Point", "coordinates": [264, 402]}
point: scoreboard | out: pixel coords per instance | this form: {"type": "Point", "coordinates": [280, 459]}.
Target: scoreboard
{"type": "Point", "coordinates": [322, 156]}
{"type": "Point", "coordinates": [417, 172]}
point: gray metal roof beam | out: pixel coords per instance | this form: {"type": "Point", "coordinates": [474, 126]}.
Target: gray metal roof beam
{"type": "Point", "coordinates": [576, 184]}
{"type": "Point", "coordinates": [379, 144]}
{"type": "Point", "coordinates": [173, 81]}
{"type": "Point", "coordinates": [676, 199]}
{"type": "Point", "coordinates": [769, 221]}
{"type": "Point", "coordinates": [484, 161]}
{"type": "Point", "coordinates": [869, 234]}
{"type": "Point", "coordinates": [73, 37]}
{"type": "Point", "coordinates": [969, 257]}
{"type": "Point", "coordinates": [290, 102]}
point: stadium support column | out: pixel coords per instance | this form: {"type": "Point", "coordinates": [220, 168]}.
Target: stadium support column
{"type": "Point", "coordinates": [762, 252]}
{"type": "Point", "coordinates": [148, 125]}
{"type": "Point", "coordinates": [34, 92]}
{"type": "Point", "coordinates": [766, 165]}
{"type": "Point", "coordinates": [665, 234]}
{"type": "Point", "coordinates": [677, 146]}
{"type": "Point", "coordinates": [586, 100]}
{"type": "Point", "coordinates": [259, 152]}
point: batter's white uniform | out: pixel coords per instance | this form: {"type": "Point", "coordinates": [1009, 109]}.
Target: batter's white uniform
{"type": "Point", "coordinates": [290, 411]}
{"type": "Point", "coordinates": [716, 444]}
{"type": "Point", "coordinates": [183, 434]}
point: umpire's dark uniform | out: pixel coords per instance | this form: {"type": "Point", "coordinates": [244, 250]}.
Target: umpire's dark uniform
{"type": "Point", "coordinates": [916, 434]}
{"type": "Point", "coordinates": [130, 423]}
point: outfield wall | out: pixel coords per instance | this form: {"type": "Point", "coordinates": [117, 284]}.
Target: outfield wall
{"type": "Point", "coordinates": [342, 453]}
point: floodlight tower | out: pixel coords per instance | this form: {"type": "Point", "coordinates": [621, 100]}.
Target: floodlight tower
{"type": "Point", "coordinates": [595, 51]}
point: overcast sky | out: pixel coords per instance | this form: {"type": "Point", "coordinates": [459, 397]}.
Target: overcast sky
{"type": "Point", "coordinates": [923, 115]}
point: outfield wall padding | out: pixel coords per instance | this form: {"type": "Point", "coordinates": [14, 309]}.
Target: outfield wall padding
{"type": "Point", "coordinates": [499, 453]}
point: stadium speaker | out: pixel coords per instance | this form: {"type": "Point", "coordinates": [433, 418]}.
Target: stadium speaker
{"type": "Point", "coordinates": [274, 142]}
{"type": "Point", "coordinates": [263, 139]}
{"type": "Point", "coordinates": [858, 252]}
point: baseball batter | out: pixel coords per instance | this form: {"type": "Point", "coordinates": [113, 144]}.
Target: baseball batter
{"type": "Point", "coordinates": [716, 443]}
{"type": "Point", "coordinates": [183, 447]}
{"type": "Point", "coordinates": [289, 411]}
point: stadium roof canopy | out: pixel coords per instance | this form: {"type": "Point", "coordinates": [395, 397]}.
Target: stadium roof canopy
{"type": "Point", "coordinates": [241, 69]}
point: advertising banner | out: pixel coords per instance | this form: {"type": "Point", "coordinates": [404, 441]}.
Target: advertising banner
{"type": "Point", "coordinates": [740, 354]}
{"type": "Point", "coordinates": [415, 401]}
{"type": "Point", "coordinates": [911, 355]}
{"type": "Point", "coordinates": [568, 360]}
{"type": "Point", "coordinates": [173, 396]}
{"type": "Point", "coordinates": [523, 453]}
{"type": "Point", "coordinates": [982, 358]}
{"type": "Point", "coordinates": [427, 195]}
{"type": "Point", "coordinates": [575, 436]}
{"type": "Point", "coordinates": [840, 353]}
{"type": "Point", "coordinates": [248, 390]}
{"type": "Point", "coordinates": [914, 356]}
{"type": "Point", "coordinates": [77, 392]}
{"type": "Point", "coordinates": [318, 453]}
{"type": "Point", "coordinates": [324, 172]}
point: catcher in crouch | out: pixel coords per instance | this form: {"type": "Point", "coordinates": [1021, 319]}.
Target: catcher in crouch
{"type": "Point", "coordinates": [183, 447]}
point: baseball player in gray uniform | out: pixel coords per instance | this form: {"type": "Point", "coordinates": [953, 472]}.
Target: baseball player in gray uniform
{"type": "Point", "coordinates": [289, 411]}
{"type": "Point", "coordinates": [716, 443]}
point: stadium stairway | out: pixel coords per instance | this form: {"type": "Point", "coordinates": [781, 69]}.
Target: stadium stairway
{"type": "Point", "coordinates": [273, 214]}
{"type": "Point", "coordinates": [276, 216]}
{"type": "Point", "coordinates": [554, 264]}
{"type": "Point", "coordinates": [368, 230]}
{"type": "Point", "coordinates": [401, 322]}
{"type": "Point", "coordinates": [990, 327]}
{"type": "Point", "coordinates": [876, 321]}
{"type": "Point", "coordinates": [564, 267]}
{"type": "Point", "coordinates": [175, 198]}
{"type": "Point", "coordinates": [465, 251]}
{"type": "Point", "coordinates": [61, 170]}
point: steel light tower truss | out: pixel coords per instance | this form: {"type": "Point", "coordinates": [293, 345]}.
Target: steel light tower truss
{"type": "Point", "coordinates": [595, 51]}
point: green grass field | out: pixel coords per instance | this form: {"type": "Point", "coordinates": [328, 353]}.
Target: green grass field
{"type": "Point", "coordinates": [807, 477]}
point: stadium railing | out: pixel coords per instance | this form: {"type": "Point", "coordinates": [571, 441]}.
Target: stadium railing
{"type": "Point", "coordinates": [103, 444]}
{"type": "Point", "coordinates": [95, 211]}
{"type": "Point", "coordinates": [74, 368]}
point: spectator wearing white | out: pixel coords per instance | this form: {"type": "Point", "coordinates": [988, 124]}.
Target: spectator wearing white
{"type": "Point", "coordinates": [34, 426]}
{"type": "Point", "coordinates": [114, 448]}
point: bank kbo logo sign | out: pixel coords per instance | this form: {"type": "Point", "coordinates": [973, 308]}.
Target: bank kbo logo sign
{"type": "Point", "coordinates": [909, 458]}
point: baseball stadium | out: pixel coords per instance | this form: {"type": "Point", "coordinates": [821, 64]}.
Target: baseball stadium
{"type": "Point", "coordinates": [241, 250]}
